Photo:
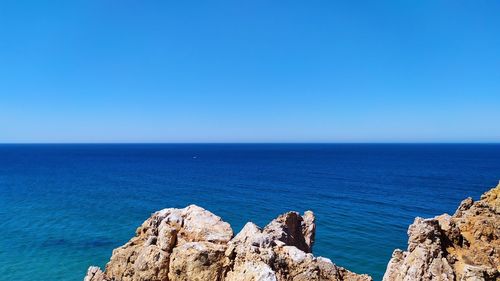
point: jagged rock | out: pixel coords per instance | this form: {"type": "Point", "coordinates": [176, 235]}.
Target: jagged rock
{"type": "Point", "coordinates": [293, 229]}
{"type": "Point", "coordinates": [461, 247]}
{"type": "Point", "coordinates": [159, 239]}
{"type": "Point", "coordinates": [193, 244]}
{"type": "Point", "coordinates": [275, 253]}
{"type": "Point", "coordinates": [94, 273]}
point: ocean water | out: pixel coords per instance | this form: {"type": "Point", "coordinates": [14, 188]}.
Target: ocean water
{"type": "Point", "coordinates": [65, 207]}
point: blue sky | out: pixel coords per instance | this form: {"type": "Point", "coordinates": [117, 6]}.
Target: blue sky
{"type": "Point", "coordinates": [250, 71]}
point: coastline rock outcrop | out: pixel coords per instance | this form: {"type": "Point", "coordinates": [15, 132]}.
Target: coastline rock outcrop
{"type": "Point", "coordinates": [192, 244]}
{"type": "Point", "coordinates": [462, 247]}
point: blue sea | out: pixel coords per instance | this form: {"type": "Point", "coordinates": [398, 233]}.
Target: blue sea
{"type": "Point", "coordinates": [65, 207]}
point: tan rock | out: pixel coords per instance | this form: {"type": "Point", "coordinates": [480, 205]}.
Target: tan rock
{"type": "Point", "coordinates": [251, 271]}
{"type": "Point", "coordinates": [147, 256]}
{"type": "Point", "coordinates": [192, 244]}
{"type": "Point", "coordinates": [201, 225]}
{"type": "Point", "coordinates": [309, 228]}
{"type": "Point", "coordinates": [464, 246]}
{"type": "Point", "coordinates": [197, 261]}
{"type": "Point", "coordinates": [294, 264]}
{"type": "Point", "coordinates": [254, 251]}
{"type": "Point", "coordinates": [292, 229]}
{"type": "Point", "coordinates": [94, 273]}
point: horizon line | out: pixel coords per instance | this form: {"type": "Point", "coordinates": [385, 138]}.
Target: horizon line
{"type": "Point", "coordinates": [125, 143]}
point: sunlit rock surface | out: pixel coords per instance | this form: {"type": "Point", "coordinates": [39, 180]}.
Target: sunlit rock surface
{"type": "Point", "coordinates": [464, 246]}
{"type": "Point", "coordinates": [193, 244]}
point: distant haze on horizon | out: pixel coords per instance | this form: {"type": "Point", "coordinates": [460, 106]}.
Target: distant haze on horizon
{"type": "Point", "coordinates": [256, 71]}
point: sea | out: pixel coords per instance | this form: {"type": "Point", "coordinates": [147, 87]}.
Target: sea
{"type": "Point", "coordinates": [64, 207]}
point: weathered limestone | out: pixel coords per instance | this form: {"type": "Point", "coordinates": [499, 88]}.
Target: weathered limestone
{"type": "Point", "coordinates": [463, 247]}
{"type": "Point", "coordinates": [167, 239]}
{"type": "Point", "coordinates": [192, 244]}
{"type": "Point", "coordinates": [94, 273]}
{"type": "Point", "coordinates": [197, 261]}
{"type": "Point", "coordinates": [281, 251]}
{"type": "Point", "coordinates": [293, 229]}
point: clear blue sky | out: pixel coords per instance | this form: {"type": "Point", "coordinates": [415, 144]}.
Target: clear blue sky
{"type": "Point", "coordinates": [245, 71]}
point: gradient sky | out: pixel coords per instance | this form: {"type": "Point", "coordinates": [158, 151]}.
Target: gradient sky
{"type": "Point", "coordinates": [250, 71]}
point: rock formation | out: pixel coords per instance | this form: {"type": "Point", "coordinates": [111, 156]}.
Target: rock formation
{"type": "Point", "coordinates": [464, 246]}
{"type": "Point", "coordinates": [192, 244]}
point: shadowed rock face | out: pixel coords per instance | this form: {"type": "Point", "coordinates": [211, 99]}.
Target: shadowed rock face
{"type": "Point", "coordinates": [193, 244]}
{"type": "Point", "coordinates": [464, 246]}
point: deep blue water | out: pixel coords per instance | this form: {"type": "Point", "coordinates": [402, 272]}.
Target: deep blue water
{"type": "Point", "coordinates": [65, 207]}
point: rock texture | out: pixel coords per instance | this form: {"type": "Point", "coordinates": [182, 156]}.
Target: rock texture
{"type": "Point", "coordinates": [192, 244]}
{"type": "Point", "coordinates": [464, 246]}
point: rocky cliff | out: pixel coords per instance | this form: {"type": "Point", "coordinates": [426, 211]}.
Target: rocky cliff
{"type": "Point", "coordinates": [464, 246]}
{"type": "Point", "coordinates": [192, 244]}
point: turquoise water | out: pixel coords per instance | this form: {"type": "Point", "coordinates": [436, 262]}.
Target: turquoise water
{"type": "Point", "coordinates": [65, 207]}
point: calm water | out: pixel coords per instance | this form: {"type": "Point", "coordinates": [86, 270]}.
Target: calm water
{"type": "Point", "coordinates": [65, 207]}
